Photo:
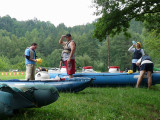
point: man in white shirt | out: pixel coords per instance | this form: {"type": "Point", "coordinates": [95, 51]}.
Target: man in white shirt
{"type": "Point", "coordinates": [146, 65]}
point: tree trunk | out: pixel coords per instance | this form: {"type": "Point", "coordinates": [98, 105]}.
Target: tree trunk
{"type": "Point", "coordinates": [108, 53]}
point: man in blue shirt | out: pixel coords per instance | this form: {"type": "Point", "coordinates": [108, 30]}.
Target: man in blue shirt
{"type": "Point", "coordinates": [30, 61]}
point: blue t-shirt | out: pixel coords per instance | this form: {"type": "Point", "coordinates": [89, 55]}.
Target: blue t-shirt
{"type": "Point", "coordinates": [27, 53]}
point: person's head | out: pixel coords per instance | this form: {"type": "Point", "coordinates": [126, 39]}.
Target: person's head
{"type": "Point", "coordinates": [34, 46]}
{"type": "Point", "coordinates": [68, 37]}
{"type": "Point", "coordinates": [138, 45]}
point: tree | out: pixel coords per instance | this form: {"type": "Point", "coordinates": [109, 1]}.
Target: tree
{"type": "Point", "coordinates": [116, 15]}
{"type": "Point", "coordinates": [4, 63]}
{"type": "Point", "coordinates": [84, 60]}
{"type": "Point", "coordinates": [152, 22]}
{"type": "Point", "coordinates": [151, 36]}
{"type": "Point", "coordinates": [152, 43]}
{"type": "Point", "coordinates": [54, 58]}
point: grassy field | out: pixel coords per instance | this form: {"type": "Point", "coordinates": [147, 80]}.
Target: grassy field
{"type": "Point", "coordinates": [108, 103]}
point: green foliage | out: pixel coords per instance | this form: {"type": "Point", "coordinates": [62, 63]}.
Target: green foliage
{"type": "Point", "coordinates": [151, 37]}
{"type": "Point", "coordinates": [116, 15]}
{"type": "Point", "coordinates": [20, 66]}
{"type": "Point", "coordinates": [152, 22]}
{"type": "Point", "coordinates": [53, 59]}
{"type": "Point", "coordinates": [99, 66]}
{"type": "Point", "coordinates": [4, 63]}
{"type": "Point", "coordinates": [152, 45]}
{"type": "Point", "coordinates": [84, 60]}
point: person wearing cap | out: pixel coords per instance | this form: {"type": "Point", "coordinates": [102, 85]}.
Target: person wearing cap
{"type": "Point", "coordinates": [68, 53]}
{"type": "Point", "coordinates": [137, 54]}
{"type": "Point", "coordinates": [30, 60]}
{"type": "Point", "coordinates": [146, 65]}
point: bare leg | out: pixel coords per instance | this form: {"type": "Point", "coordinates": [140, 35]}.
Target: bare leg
{"type": "Point", "coordinates": [140, 78]}
{"type": "Point", "coordinates": [149, 74]}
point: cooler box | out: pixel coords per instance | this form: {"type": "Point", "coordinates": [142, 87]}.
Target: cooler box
{"type": "Point", "coordinates": [114, 69]}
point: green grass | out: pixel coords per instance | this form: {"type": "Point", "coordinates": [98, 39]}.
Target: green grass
{"type": "Point", "coordinates": [99, 103]}
{"type": "Point", "coordinates": [108, 103]}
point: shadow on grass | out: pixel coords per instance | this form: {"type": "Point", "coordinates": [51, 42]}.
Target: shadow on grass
{"type": "Point", "coordinates": [155, 87]}
{"type": "Point", "coordinates": [38, 114]}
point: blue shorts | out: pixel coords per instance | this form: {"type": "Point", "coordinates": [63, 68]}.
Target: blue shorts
{"type": "Point", "coordinates": [147, 67]}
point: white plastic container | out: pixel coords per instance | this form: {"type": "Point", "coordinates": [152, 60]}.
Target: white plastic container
{"type": "Point", "coordinates": [88, 69]}
{"type": "Point", "coordinates": [63, 69]}
{"type": "Point", "coordinates": [114, 69]}
{"type": "Point", "coordinates": [54, 70]}
{"type": "Point", "coordinates": [42, 75]}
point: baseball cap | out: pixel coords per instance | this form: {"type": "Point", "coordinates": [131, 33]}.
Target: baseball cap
{"type": "Point", "coordinates": [68, 35]}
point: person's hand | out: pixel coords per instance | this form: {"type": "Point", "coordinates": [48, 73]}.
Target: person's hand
{"type": "Point", "coordinates": [69, 61]}
{"type": "Point", "coordinates": [137, 64]}
{"type": "Point", "coordinates": [134, 45]}
{"type": "Point", "coordinates": [63, 36]}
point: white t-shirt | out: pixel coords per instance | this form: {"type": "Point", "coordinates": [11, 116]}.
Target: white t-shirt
{"type": "Point", "coordinates": [145, 61]}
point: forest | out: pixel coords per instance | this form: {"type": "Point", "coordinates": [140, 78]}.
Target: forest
{"type": "Point", "coordinates": [16, 36]}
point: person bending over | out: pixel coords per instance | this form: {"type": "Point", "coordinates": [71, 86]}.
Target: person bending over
{"type": "Point", "coordinates": [146, 65]}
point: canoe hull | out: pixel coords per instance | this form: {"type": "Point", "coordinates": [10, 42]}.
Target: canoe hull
{"type": "Point", "coordinates": [72, 85]}
{"type": "Point", "coordinates": [114, 79]}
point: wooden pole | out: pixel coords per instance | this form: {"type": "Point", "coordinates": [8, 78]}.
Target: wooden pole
{"type": "Point", "coordinates": [108, 53]}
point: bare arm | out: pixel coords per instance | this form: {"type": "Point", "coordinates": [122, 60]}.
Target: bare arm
{"type": "Point", "coordinates": [138, 62]}
{"type": "Point", "coordinates": [142, 51]}
{"type": "Point", "coordinates": [61, 40]}
{"type": "Point", "coordinates": [33, 60]}
{"type": "Point", "coordinates": [131, 49]}
{"type": "Point", "coordinates": [60, 64]}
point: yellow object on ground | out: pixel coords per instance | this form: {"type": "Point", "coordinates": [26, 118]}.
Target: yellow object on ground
{"type": "Point", "coordinates": [39, 60]}
{"type": "Point", "coordinates": [130, 71]}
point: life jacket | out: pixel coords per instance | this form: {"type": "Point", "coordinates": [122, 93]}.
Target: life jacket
{"type": "Point", "coordinates": [66, 47]}
{"type": "Point", "coordinates": [31, 53]}
{"type": "Point", "coordinates": [137, 54]}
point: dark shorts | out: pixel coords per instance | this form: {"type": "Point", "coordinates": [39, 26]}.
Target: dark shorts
{"type": "Point", "coordinates": [147, 67]}
{"type": "Point", "coordinates": [70, 67]}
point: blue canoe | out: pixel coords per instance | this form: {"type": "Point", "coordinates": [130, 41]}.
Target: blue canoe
{"type": "Point", "coordinates": [68, 85]}
{"type": "Point", "coordinates": [113, 79]}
